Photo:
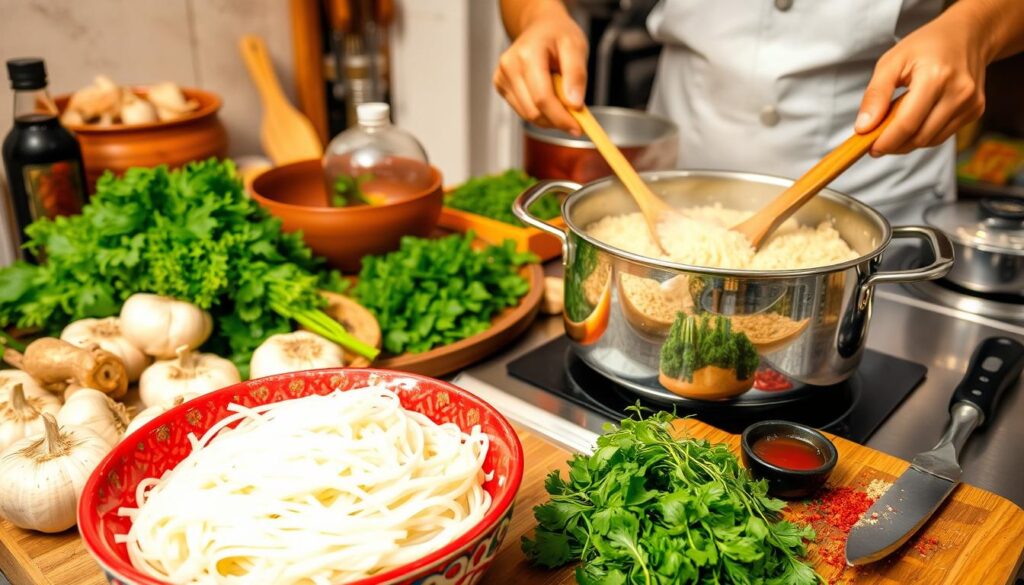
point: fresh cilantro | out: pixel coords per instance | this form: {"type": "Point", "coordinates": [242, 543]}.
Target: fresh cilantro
{"type": "Point", "coordinates": [647, 508]}
{"type": "Point", "coordinates": [433, 292]}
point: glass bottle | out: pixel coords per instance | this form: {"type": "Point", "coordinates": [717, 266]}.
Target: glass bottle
{"type": "Point", "coordinates": [42, 159]}
{"type": "Point", "coordinates": [373, 162]}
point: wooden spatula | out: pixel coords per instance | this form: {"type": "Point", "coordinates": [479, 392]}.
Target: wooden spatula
{"type": "Point", "coordinates": [285, 133]}
{"type": "Point", "coordinates": [768, 218]}
{"type": "Point", "coordinates": [651, 206]}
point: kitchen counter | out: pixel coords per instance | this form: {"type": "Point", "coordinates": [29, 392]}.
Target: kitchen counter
{"type": "Point", "coordinates": [942, 339]}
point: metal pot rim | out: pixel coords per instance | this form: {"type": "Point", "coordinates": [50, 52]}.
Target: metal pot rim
{"type": "Point", "coordinates": [549, 136]}
{"type": "Point", "coordinates": [655, 176]}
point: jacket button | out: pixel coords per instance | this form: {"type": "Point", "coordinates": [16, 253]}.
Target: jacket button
{"type": "Point", "coordinates": [769, 116]}
{"type": "Point", "coordinates": [783, 5]}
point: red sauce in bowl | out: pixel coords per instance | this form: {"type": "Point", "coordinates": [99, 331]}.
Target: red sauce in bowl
{"type": "Point", "coordinates": [789, 453]}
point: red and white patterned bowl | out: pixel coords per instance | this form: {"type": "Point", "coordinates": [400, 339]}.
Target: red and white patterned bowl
{"type": "Point", "coordinates": [163, 442]}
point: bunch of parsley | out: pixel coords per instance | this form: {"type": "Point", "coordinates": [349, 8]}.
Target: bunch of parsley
{"type": "Point", "coordinates": [646, 508]}
{"type": "Point", "coordinates": [191, 234]}
{"type": "Point", "coordinates": [492, 196]}
{"type": "Point", "coordinates": [433, 292]}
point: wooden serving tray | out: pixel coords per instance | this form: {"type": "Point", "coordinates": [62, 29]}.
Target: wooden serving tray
{"type": "Point", "coordinates": [979, 533]}
{"type": "Point", "coordinates": [446, 359]}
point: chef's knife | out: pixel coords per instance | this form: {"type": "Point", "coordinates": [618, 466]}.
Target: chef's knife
{"type": "Point", "coordinates": [914, 497]}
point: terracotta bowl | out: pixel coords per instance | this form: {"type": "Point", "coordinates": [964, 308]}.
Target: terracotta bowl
{"type": "Point", "coordinates": [297, 194]}
{"type": "Point", "coordinates": [118, 147]}
{"type": "Point", "coordinates": [163, 442]}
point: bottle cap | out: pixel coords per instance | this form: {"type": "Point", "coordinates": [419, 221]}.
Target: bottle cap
{"type": "Point", "coordinates": [373, 114]}
{"type": "Point", "coordinates": [27, 73]}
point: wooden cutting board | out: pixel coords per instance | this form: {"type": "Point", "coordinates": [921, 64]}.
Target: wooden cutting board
{"type": "Point", "coordinates": [980, 535]}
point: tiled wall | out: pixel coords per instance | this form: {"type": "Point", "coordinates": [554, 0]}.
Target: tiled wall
{"type": "Point", "coordinates": [191, 42]}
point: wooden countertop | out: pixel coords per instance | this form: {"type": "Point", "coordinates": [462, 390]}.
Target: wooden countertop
{"type": "Point", "coordinates": [979, 533]}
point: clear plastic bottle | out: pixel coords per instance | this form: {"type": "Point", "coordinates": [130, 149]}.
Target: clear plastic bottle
{"type": "Point", "coordinates": [366, 163]}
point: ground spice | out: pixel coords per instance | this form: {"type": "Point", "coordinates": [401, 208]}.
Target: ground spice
{"type": "Point", "coordinates": [926, 545]}
{"type": "Point", "coordinates": [833, 516]}
{"type": "Point", "coordinates": [877, 488]}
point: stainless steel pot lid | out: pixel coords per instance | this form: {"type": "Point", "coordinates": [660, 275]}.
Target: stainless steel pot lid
{"type": "Point", "coordinates": [993, 225]}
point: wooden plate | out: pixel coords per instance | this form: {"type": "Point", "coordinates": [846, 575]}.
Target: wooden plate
{"type": "Point", "coordinates": [446, 359]}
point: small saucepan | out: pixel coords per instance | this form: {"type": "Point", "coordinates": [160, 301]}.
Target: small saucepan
{"type": "Point", "coordinates": [988, 242]}
{"type": "Point", "coordinates": [649, 143]}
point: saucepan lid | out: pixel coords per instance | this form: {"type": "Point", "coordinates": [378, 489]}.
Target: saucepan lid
{"type": "Point", "coordinates": [992, 225]}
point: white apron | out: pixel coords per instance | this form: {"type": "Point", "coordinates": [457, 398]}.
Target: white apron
{"type": "Point", "coordinates": [770, 86]}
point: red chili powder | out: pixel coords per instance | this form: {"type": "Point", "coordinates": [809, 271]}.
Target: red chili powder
{"type": "Point", "coordinates": [926, 545]}
{"type": "Point", "coordinates": [838, 509]}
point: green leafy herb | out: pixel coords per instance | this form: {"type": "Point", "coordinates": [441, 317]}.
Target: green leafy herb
{"type": "Point", "coordinates": [646, 508]}
{"type": "Point", "coordinates": [191, 234]}
{"type": "Point", "coordinates": [492, 196]}
{"type": "Point", "coordinates": [348, 190]}
{"type": "Point", "coordinates": [433, 292]}
{"type": "Point", "coordinates": [695, 342]}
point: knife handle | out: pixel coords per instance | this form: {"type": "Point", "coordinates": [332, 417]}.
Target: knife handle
{"type": "Point", "coordinates": [995, 365]}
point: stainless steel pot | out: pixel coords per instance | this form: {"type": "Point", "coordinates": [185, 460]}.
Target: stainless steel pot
{"type": "Point", "coordinates": [810, 324]}
{"type": "Point", "coordinates": [988, 240]}
{"type": "Point", "coordinates": [647, 141]}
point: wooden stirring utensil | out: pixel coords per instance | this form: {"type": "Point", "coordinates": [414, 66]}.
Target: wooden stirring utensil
{"type": "Point", "coordinates": [651, 206]}
{"type": "Point", "coordinates": [761, 225]}
{"type": "Point", "coordinates": [285, 133]}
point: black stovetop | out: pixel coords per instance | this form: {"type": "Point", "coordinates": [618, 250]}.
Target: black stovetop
{"type": "Point", "coordinates": [852, 409]}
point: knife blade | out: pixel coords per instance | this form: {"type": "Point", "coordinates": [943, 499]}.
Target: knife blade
{"type": "Point", "coordinates": [932, 475]}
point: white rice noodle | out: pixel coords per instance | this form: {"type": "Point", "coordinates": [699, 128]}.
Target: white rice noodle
{"type": "Point", "coordinates": [320, 489]}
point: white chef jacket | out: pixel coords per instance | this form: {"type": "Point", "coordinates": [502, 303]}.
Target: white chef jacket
{"type": "Point", "coordinates": [770, 86]}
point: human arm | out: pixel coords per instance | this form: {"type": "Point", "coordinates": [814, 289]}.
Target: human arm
{"type": "Point", "coordinates": [545, 40]}
{"type": "Point", "coordinates": [942, 65]}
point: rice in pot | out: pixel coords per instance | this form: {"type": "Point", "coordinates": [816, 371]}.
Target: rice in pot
{"type": "Point", "coordinates": [700, 236]}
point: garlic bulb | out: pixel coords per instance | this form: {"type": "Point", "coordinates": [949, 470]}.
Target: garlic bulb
{"type": "Point", "coordinates": [154, 411]}
{"type": "Point", "coordinates": [43, 475]}
{"type": "Point", "coordinates": [160, 325]}
{"type": "Point", "coordinates": [189, 373]}
{"type": "Point", "coordinates": [22, 403]}
{"type": "Point", "coordinates": [169, 101]}
{"type": "Point", "coordinates": [106, 333]}
{"type": "Point", "coordinates": [135, 110]}
{"type": "Point", "coordinates": [97, 412]}
{"type": "Point", "coordinates": [292, 352]}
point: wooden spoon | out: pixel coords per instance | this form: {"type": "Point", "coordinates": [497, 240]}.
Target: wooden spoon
{"type": "Point", "coordinates": [761, 225]}
{"type": "Point", "coordinates": [651, 206]}
{"type": "Point", "coordinates": [285, 133]}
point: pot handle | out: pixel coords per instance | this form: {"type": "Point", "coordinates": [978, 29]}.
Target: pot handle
{"type": "Point", "coordinates": [521, 206]}
{"type": "Point", "coordinates": [941, 247]}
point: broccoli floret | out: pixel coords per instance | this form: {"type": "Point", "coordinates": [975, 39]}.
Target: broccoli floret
{"type": "Point", "coordinates": [695, 342]}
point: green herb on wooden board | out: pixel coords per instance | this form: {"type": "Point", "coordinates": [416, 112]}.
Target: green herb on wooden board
{"type": "Point", "coordinates": [492, 196]}
{"type": "Point", "coordinates": [433, 292]}
{"type": "Point", "coordinates": [647, 508]}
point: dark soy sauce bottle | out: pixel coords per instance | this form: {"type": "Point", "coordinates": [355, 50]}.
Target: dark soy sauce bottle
{"type": "Point", "coordinates": [42, 159]}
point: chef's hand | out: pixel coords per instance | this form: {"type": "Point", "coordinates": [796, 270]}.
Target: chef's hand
{"type": "Point", "coordinates": [942, 65]}
{"type": "Point", "coordinates": [547, 40]}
